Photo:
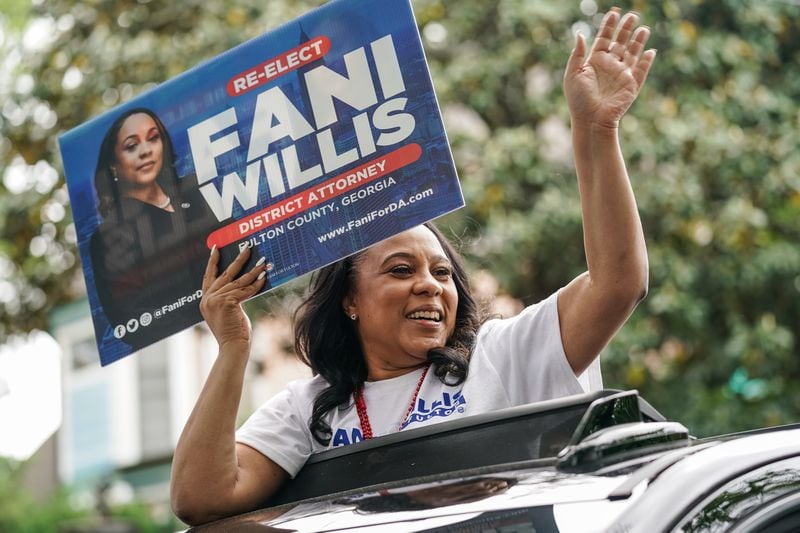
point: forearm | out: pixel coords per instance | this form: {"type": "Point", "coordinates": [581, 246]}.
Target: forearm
{"type": "Point", "coordinates": [616, 254]}
{"type": "Point", "coordinates": [205, 467]}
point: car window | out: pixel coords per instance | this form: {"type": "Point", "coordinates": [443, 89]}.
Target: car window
{"type": "Point", "coordinates": [743, 497]}
{"type": "Point", "coordinates": [780, 516]}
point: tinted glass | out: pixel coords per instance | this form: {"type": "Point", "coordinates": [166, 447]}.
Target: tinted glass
{"type": "Point", "coordinates": [744, 495]}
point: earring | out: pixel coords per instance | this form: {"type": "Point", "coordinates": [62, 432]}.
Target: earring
{"type": "Point", "coordinates": [114, 173]}
{"type": "Point", "coordinates": [353, 316]}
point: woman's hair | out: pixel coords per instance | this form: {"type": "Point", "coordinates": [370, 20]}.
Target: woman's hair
{"type": "Point", "coordinates": [327, 340]}
{"type": "Point", "coordinates": [108, 190]}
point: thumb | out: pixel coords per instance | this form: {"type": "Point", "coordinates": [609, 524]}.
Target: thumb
{"type": "Point", "coordinates": [578, 54]}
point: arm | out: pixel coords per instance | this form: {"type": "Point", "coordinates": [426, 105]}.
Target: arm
{"type": "Point", "coordinates": [599, 90]}
{"type": "Point", "coordinates": [212, 475]}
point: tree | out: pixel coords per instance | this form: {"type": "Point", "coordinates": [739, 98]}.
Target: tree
{"type": "Point", "coordinates": [713, 155]}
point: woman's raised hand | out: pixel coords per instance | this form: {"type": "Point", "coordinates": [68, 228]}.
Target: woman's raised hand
{"type": "Point", "coordinates": [223, 295]}
{"type": "Point", "coordinates": [601, 87]}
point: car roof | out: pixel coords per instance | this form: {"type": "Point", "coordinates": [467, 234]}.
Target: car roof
{"type": "Point", "coordinates": [525, 433]}
{"type": "Point", "coordinates": [688, 481]}
{"type": "Point", "coordinates": [586, 455]}
{"type": "Point", "coordinates": [398, 506]}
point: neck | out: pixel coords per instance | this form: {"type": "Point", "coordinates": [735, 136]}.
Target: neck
{"type": "Point", "coordinates": [379, 373]}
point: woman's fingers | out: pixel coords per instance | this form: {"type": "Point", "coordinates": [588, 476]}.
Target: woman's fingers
{"type": "Point", "coordinates": [620, 36]}
{"type": "Point", "coordinates": [211, 269]}
{"type": "Point", "coordinates": [602, 41]}
{"type": "Point", "coordinates": [577, 56]}
{"type": "Point", "coordinates": [624, 32]}
{"type": "Point", "coordinates": [230, 273]}
{"type": "Point", "coordinates": [642, 67]}
{"type": "Point", "coordinates": [222, 296]}
{"type": "Point", "coordinates": [227, 282]}
{"type": "Point", "coordinates": [247, 284]}
{"type": "Point", "coordinates": [636, 45]}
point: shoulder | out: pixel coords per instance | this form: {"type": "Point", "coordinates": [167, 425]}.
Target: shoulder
{"type": "Point", "coordinates": [527, 355]}
{"type": "Point", "coordinates": [541, 315]}
{"type": "Point", "coordinates": [527, 340]}
{"type": "Point", "coordinates": [303, 389]}
{"type": "Point", "coordinates": [294, 402]}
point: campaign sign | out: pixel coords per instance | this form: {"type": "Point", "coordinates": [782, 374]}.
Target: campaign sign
{"type": "Point", "coordinates": [306, 144]}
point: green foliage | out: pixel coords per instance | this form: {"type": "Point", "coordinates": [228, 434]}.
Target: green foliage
{"type": "Point", "coordinates": [21, 513]}
{"type": "Point", "coordinates": [712, 148]}
{"type": "Point", "coordinates": [14, 12]}
{"type": "Point", "coordinates": [713, 155]}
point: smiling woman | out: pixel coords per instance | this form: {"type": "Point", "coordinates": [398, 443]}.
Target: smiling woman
{"type": "Point", "coordinates": [393, 334]}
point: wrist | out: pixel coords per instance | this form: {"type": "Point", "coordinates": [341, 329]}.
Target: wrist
{"type": "Point", "coordinates": [235, 348]}
{"type": "Point", "coordinates": [595, 128]}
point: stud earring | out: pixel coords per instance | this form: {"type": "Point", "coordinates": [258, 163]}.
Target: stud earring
{"type": "Point", "coordinates": [114, 173]}
{"type": "Point", "coordinates": [353, 316]}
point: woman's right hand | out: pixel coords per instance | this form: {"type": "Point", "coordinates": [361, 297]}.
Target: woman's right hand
{"type": "Point", "coordinates": [602, 86]}
{"type": "Point", "coordinates": [221, 305]}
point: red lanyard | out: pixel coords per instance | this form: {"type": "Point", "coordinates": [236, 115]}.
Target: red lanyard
{"type": "Point", "coordinates": [361, 406]}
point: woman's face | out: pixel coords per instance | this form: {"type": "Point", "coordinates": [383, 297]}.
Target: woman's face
{"type": "Point", "coordinates": [405, 299]}
{"type": "Point", "coordinates": [138, 151]}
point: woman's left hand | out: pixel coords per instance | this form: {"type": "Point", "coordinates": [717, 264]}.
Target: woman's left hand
{"type": "Point", "coordinates": [601, 87]}
{"type": "Point", "coordinates": [223, 295]}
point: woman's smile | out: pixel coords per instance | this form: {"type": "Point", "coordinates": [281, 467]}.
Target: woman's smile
{"type": "Point", "coordinates": [431, 316]}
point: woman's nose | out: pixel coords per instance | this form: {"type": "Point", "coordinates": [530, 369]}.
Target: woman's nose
{"type": "Point", "coordinates": [427, 283]}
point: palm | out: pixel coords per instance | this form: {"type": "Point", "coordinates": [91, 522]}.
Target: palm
{"type": "Point", "coordinates": [603, 90]}
{"type": "Point", "coordinates": [600, 89]}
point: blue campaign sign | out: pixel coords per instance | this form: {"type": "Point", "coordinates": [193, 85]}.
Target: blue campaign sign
{"type": "Point", "coordinates": [309, 143]}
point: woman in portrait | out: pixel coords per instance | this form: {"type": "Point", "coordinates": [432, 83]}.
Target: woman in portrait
{"type": "Point", "coordinates": [147, 253]}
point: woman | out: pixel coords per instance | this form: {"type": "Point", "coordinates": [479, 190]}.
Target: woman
{"type": "Point", "coordinates": [153, 226]}
{"type": "Point", "coordinates": [396, 323]}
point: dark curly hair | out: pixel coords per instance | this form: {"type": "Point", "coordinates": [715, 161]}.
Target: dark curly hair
{"type": "Point", "coordinates": [327, 341]}
{"type": "Point", "coordinates": [108, 192]}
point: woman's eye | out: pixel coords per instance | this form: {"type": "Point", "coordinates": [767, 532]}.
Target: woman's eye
{"type": "Point", "coordinates": [401, 269]}
{"type": "Point", "coordinates": [154, 138]}
{"type": "Point", "coordinates": [130, 147]}
{"type": "Point", "coordinates": [442, 272]}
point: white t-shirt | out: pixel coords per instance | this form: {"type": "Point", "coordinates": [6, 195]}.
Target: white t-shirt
{"type": "Point", "coordinates": [516, 361]}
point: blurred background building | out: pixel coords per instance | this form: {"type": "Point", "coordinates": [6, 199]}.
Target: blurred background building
{"type": "Point", "coordinates": [121, 422]}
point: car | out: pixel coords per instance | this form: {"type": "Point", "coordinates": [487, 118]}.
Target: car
{"type": "Point", "coordinates": [602, 461]}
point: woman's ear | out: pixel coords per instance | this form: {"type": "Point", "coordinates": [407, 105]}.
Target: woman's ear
{"type": "Point", "coordinates": [349, 306]}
